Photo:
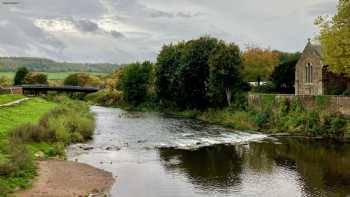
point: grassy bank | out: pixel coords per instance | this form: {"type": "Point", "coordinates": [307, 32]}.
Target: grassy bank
{"type": "Point", "coordinates": [37, 129]}
{"type": "Point", "coordinates": [288, 117]}
{"type": "Point", "coordinates": [9, 98]}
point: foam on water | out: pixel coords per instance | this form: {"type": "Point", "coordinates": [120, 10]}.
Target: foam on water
{"type": "Point", "coordinates": [192, 141]}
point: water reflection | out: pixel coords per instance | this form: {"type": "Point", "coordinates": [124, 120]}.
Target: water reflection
{"type": "Point", "coordinates": [319, 168]}
{"type": "Point", "coordinates": [212, 168]}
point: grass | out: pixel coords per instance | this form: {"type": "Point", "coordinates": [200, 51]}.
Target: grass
{"type": "Point", "coordinates": [50, 75]}
{"type": "Point", "coordinates": [10, 117]}
{"type": "Point", "coordinates": [7, 98]}
{"type": "Point", "coordinates": [28, 112]}
{"type": "Point", "coordinates": [36, 126]}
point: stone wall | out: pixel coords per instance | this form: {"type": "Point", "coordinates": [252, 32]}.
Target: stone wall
{"type": "Point", "coordinates": [331, 104]}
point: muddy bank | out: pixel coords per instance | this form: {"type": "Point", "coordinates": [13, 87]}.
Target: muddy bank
{"type": "Point", "coordinates": [68, 179]}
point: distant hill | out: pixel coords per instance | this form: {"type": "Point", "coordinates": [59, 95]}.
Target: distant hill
{"type": "Point", "coordinates": [9, 64]}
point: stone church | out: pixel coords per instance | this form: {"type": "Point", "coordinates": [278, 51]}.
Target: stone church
{"type": "Point", "coordinates": [312, 76]}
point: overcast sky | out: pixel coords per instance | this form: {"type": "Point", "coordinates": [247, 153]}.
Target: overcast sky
{"type": "Point", "coordinates": [121, 31]}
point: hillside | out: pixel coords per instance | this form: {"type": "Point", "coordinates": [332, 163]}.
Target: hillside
{"type": "Point", "coordinates": [9, 64]}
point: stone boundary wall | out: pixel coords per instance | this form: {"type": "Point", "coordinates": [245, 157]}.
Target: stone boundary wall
{"type": "Point", "coordinates": [331, 104]}
{"type": "Point", "coordinates": [12, 90]}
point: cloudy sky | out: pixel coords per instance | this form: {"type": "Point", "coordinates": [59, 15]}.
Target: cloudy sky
{"type": "Point", "coordinates": [121, 31]}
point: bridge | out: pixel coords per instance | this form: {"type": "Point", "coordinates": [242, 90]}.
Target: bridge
{"type": "Point", "coordinates": [37, 89]}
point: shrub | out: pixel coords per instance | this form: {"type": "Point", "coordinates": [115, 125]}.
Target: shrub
{"type": "Point", "coordinates": [5, 81]}
{"type": "Point", "coordinates": [82, 80]}
{"type": "Point", "coordinates": [16, 161]}
{"type": "Point", "coordinates": [28, 133]}
{"type": "Point", "coordinates": [36, 78]}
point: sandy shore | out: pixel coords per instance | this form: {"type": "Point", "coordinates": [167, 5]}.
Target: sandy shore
{"type": "Point", "coordinates": [68, 179]}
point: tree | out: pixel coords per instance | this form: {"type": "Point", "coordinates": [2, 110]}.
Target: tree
{"type": "Point", "coordinates": [82, 80]}
{"type": "Point", "coordinates": [21, 73]}
{"type": "Point", "coordinates": [35, 78]}
{"type": "Point", "coordinates": [259, 63]}
{"type": "Point", "coordinates": [283, 77]}
{"type": "Point", "coordinates": [193, 72]}
{"type": "Point", "coordinates": [335, 39]}
{"type": "Point", "coordinates": [135, 82]}
{"type": "Point", "coordinates": [167, 64]}
{"type": "Point", "coordinates": [225, 77]}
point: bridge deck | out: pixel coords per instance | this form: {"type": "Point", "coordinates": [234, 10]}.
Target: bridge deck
{"type": "Point", "coordinates": [44, 88]}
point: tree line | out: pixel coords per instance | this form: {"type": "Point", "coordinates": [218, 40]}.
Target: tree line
{"type": "Point", "coordinates": [201, 73]}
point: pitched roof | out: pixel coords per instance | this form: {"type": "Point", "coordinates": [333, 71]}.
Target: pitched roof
{"type": "Point", "coordinates": [317, 48]}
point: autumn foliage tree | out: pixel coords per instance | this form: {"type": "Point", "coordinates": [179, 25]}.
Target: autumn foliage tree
{"type": "Point", "coordinates": [36, 78]}
{"type": "Point", "coordinates": [259, 63]}
{"type": "Point", "coordinates": [335, 38]}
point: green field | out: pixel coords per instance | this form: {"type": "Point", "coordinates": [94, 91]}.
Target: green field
{"type": "Point", "coordinates": [51, 76]}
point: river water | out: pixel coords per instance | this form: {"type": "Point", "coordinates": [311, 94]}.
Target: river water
{"type": "Point", "coordinates": [153, 155]}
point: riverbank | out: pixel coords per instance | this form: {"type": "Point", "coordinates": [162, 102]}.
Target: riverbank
{"type": "Point", "coordinates": [69, 179]}
{"type": "Point", "coordinates": [287, 118]}
{"type": "Point", "coordinates": [39, 129]}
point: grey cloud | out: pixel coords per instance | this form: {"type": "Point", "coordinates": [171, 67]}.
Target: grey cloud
{"type": "Point", "coordinates": [86, 25]}
{"type": "Point", "coordinates": [159, 13]}
{"type": "Point", "coordinates": [117, 35]}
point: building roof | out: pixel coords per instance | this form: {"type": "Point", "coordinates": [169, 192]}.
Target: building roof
{"type": "Point", "coordinates": [317, 48]}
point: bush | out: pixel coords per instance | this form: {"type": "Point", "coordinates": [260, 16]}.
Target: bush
{"type": "Point", "coordinates": [28, 133]}
{"type": "Point", "coordinates": [16, 161]}
{"type": "Point", "coordinates": [71, 122]}
{"type": "Point", "coordinates": [36, 78]}
{"type": "Point", "coordinates": [82, 80]}
{"type": "Point", "coordinates": [106, 97]}
{"type": "Point", "coordinates": [5, 81]}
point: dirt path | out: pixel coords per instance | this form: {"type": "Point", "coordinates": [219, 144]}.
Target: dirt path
{"type": "Point", "coordinates": [68, 179]}
{"type": "Point", "coordinates": [14, 102]}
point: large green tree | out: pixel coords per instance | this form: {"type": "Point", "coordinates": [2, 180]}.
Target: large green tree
{"type": "Point", "coordinates": [167, 64]}
{"type": "Point", "coordinates": [225, 73]}
{"type": "Point", "coordinates": [135, 81]}
{"type": "Point", "coordinates": [21, 74]}
{"type": "Point", "coordinates": [193, 72]}
{"type": "Point", "coordinates": [283, 77]}
{"type": "Point", "coordinates": [335, 38]}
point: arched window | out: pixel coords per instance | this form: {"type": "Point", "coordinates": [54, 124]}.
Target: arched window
{"type": "Point", "coordinates": [308, 73]}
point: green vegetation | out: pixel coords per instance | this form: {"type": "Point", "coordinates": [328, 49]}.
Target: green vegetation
{"type": "Point", "coordinates": [9, 98]}
{"type": "Point", "coordinates": [38, 128]}
{"type": "Point", "coordinates": [82, 80]}
{"type": "Point", "coordinates": [204, 79]}
{"type": "Point", "coordinates": [36, 78]}
{"type": "Point", "coordinates": [21, 74]}
{"type": "Point", "coordinates": [135, 82]}
{"type": "Point", "coordinates": [334, 38]}
{"type": "Point", "coordinates": [286, 116]}
{"type": "Point", "coordinates": [51, 75]}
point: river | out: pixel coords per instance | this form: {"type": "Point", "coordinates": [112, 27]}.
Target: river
{"type": "Point", "coordinates": [154, 155]}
